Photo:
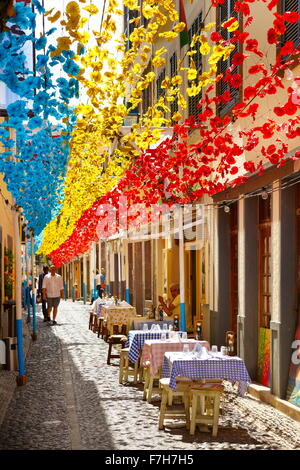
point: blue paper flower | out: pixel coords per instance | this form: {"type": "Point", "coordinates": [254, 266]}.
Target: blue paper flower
{"type": "Point", "coordinates": [71, 68]}
{"type": "Point", "coordinates": [41, 43]}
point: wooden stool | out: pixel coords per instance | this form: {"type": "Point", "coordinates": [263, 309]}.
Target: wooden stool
{"type": "Point", "coordinates": [149, 388]}
{"type": "Point", "coordinates": [210, 393]}
{"type": "Point", "coordinates": [125, 371]}
{"type": "Point", "coordinates": [100, 326]}
{"type": "Point", "coordinates": [116, 339]}
{"type": "Point", "coordinates": [182, 390]}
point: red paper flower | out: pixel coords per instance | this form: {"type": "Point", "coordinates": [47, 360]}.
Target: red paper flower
{"type": "Point", "coordinates": [249, 92]}
{"type": "Point", "coordinates": [238, 58]}
{"type": "Point", "coordinates": [249, 166]}
{"type": "Point", "coordinates": [239, 37]}
{"type": "Point", "coordinates": [235, 80]}
{"type": "Point", "coordinates": [274, 159]}
{"type": "Point", "coordinates": [216, 37]}
{"type": "Point", "coordinates": [252, 46]}
{"type": "Point", "coordinates": [256, 69]}
{"type": "Point", "coordinates": [242, 7]}
{"type": "Point", "coordinates": [272, 4]}
{"type": "Point", "coordinates": [230, 160]}
{"type": "Point", "coordinates": [279, 26]}
{"type": "Point", "coordinates": [272, 36]}
{"type": "Point", "coordinates": [287, 48]}
{"type": "Point", "coordinates": [290, 108]}
{"type": "Point", "coordinates": [291, 16]}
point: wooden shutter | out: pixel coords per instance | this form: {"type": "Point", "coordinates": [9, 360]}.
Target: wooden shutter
{"type": "Point", "coordinates": [226, 10]}
{"type": "Point", "coordinates": [173, 72]}
{"type": "Point", "coordinates": [292, 32]}
{"type": "Point", "coordinates": [159, 90]}
{"type": "Point", "coordinates": [197, 58]}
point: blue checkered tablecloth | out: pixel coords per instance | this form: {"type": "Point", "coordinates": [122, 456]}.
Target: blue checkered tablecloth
{"type": "Point", "coordinates": [136, 340]}
{"type": "Point", "coordinates": [227, 368]}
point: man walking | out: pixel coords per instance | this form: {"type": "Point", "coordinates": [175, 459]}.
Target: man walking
{"type": "Point", "coordinates": [53, 291]}
{"type": "Point", "coordinates": [40, 292]}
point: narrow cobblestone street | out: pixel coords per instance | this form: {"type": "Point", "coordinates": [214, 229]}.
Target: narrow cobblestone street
{"type": "Point", "coordinates": [73, 400]}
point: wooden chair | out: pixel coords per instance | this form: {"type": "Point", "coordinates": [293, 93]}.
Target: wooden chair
{"type": "Point", "coordinates": [205, 402]}
{"type": "Point", "coordinates": [125, 371]}
{"type": "Point", "coordinates": [149, 386]}
{"type": "Point", "coordinates": [91, 321]}
{"type": "Point", "coordinates": [115, 339]}
{"type": "Point", "coordinates": [95, 323]}
{"type": "Point", "coordinates": [183, 411]}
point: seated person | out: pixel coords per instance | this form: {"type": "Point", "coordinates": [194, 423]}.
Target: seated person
{"type": "Point", "coordinates": [172, 307]}
{"type": "Point", "coordinates": [96, 307]}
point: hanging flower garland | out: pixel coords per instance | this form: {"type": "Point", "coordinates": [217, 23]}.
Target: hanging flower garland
{"type": "Point", "coordinates": [35, 151]}
{"type": "Point", "coordinates": [99, 122]}
{"type": "Point", "coordinates": [210, 165]}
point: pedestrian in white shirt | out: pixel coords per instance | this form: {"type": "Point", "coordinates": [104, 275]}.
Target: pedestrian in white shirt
{"type": "Point", "coordinates": [53, 291]}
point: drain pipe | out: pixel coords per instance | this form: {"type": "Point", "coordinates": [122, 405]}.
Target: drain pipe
{"type": "Point", "coordinates": [27, 276]}
{"type": "Point", "coordinates": [21, 379]}
{"type": "Point", "coordinates": [34, 333]}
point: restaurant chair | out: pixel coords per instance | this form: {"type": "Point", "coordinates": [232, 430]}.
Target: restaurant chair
{"type": "Point", "coordinates": [125, 370]}
{"type": "Point", "coordinates": [149, 388]}
{"type": "Point", "coordinates": [205, 403]}
{"type": "Point", "coordinates": [116, 339]}
{"type": "Point", "coordinates": [91, 321]}
{"type": "Point", "coordinates": [181, 411]}
{"type": "Point", "coordinates": [104, 331]}
{"type": "Point", "coordinates": [95, 323]}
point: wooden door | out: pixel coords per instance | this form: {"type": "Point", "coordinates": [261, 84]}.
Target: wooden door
{"type": "Point", "coordinates": [234, 266]}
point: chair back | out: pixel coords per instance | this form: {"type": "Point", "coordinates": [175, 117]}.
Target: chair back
{"type": "Point", "coordinates": [124, 330]}
{"type": "Point", "coordinates": [115, 329]}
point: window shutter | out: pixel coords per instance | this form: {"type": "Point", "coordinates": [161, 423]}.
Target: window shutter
{"type": "Point", "coordinates": [226, 10]}
{"type": "Point", "coordinates": [159, 90]}
{"type": "Point", "coordinates": [173, 72]}
{"type": "Point", "coordinates": [197, 58]}
{"type": "Point", "coordinates": [292, 32]}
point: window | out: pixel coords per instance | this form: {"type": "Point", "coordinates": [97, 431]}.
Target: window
{"type": "Point", "coordinates": [225, 11]}
{"type": "Point", "coordinates": [160, 79]}
{"type": "Point", "coordinates": [292, 32]}
{"type": "Point", "coordinates": [147, 94]}
{"type": "Point", "coordinates": [234, 265]}
{"type": "Point", "coordinates": [144, 21]}
{"type": "Point", "coordinates": [265, 262]}
{"type": "Point", "coordinates": [173, 72]}
{"type": "Point", "coordinates": [129, 27]}
{"type": "Point", "coordinates": [197, 58]}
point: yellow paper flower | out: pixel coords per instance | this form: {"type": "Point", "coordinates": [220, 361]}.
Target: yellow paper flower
{"type": "Point", "coordinates": [92, 9]}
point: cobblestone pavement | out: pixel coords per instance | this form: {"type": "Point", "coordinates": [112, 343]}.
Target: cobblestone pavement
{"type": "Point", "coordinates": [73, 400]}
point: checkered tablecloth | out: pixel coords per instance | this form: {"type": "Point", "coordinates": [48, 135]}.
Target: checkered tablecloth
{"type": "Point", "coordinates": [136, 340]}
{"type": "Point", "coordinates": [118, 315]}
{"type": "Point", "coordinates": [227, 368]}
{"type": "Point", "coordinates": [154, 351]}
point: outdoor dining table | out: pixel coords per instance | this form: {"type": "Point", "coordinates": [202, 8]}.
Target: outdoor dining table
{"type": "Point", "coordinates": [154, 351]}
{"type": "Point", "coordinates": [215, 367]}
{"type": "Point", "coordinates": [136, 340]}
{"type": "Point", "coordinates": [120, 314]}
